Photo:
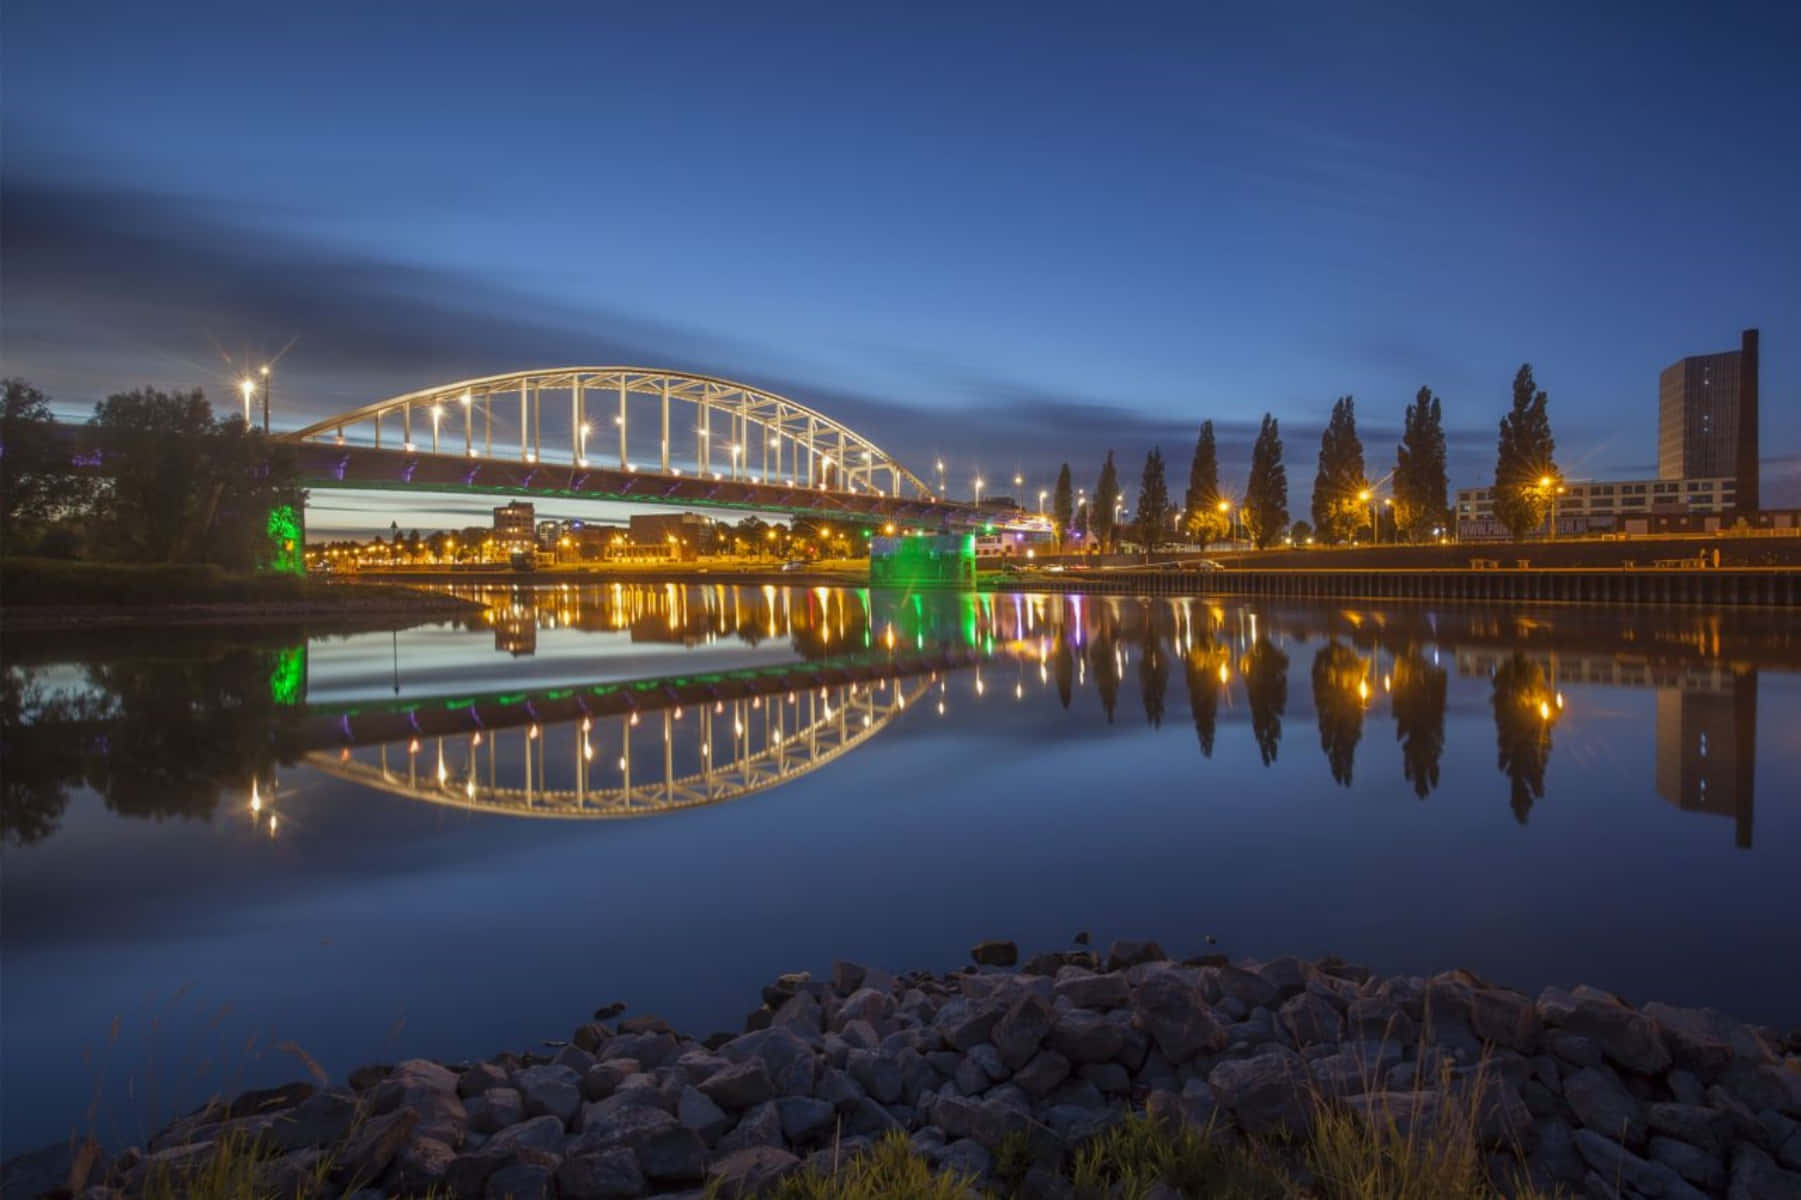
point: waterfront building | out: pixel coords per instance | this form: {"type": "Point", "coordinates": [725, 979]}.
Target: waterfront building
{"type": "Point", "coordinates": [515, 528]}
{"type": "Point", "coordinates": [1628, 506]}
{"type": "Point", "coordinates": [1707, 417]}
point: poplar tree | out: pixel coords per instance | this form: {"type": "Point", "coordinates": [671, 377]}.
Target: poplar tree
{"type": "Point", "coordinates": [1063, 505]}
{"type": "Point", "coordinates": [1266, 492]}
{"type": "Point", "coordinates": [1106, 504]}
{"type": "Point", "coordinates": [1200, 504]}
{"type": "Point", "coordinates": [1524, 459]}
{"type": "Point", "coordinates": [1339, 508]}
{"type": "Point", "coordinates": [1421, 487]}
{"type": "Point", "coordinates": [1153, 503]}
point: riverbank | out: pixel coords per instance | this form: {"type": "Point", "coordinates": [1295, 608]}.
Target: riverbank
{"type": "Point", "coordinates": [1073, 1073]}
{"type": "Point", "coordinates": [48, 594]}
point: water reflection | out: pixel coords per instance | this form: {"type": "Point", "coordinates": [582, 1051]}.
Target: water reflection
{"type": "Point", "coordinates": [178, 734]}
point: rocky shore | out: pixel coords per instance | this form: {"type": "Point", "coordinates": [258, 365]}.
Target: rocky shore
{"type": "Point", "coordinates": [1000, 1071]}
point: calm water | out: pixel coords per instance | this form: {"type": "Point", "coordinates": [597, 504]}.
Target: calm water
{"type": "Point", "coordinates": [385, 845]}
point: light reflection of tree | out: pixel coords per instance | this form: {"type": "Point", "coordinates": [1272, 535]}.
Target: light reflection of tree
{"type": "Point", "coordinates": [1153, 675]}
{"type": "Point", "coordinates": [1525, 708]}
{"type": "Point", "coordinates": [1202, 665]}
{"type": "Point", "coordinates": [1340, 689]}
{"type": "Point", "coordinates": [1265, 670]}
{"type": "Point", "coordinates": [1419, 708]}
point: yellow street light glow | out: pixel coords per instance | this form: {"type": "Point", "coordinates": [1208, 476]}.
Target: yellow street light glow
{"type": "Point", "coordinates": [1363, 689]}
{"type": "Point", "coordinates": [1364, 494]}
{"type": "Point", "coordinates": [468, 399]}
{"type": "Point", "coordinates": [1544, 481]}
{"type": "Point", "coordinates": [247, 387]}
{"type": "Point", "coordinates": [1224, 674]}
{"type": "Point", "coordinates": [265, 368]}
{"type": "Point", "coordinates": [1544, 710]}
{"type": "Point", "coordinates": [1225, 506]}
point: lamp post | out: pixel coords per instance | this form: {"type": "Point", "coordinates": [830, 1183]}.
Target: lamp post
{"type": "Point", "coordinates": [1225, 510]}
{"type": "Point", "coordinates": [941, 479]}
{"type": "Point", "coordinates": [581, 453]}
{"type": "Point", "coordinates": [248, 387]}
{"type": "Point", "coordinates": [1551, 493]}
{"type": "Point", "coordinates": [978, 490]}
{"type": "Point", "coordinates": [469, 424]}
{"type": "Point", "coordinates": [1369, 498]}
{"type": "Point", "coordinates": [1042, 493]}
{"type": "Point", "coordinates": [265, 399]}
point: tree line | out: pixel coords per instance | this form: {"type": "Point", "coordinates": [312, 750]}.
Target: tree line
{"type": "Point", "coordinates": [154, 477]}
{"type": "Point", "coordinates": [1411, 501]}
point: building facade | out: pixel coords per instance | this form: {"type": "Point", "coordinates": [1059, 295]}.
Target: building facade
{"type": "Point", "coordinates": [1707, 418]}
{"type": "Point", "coordinates": [1628, 505]}
{"type": "Point", "coordinates": [515, 528]}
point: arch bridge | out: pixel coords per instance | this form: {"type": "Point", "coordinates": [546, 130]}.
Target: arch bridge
{"type": "Point", "coordinates": [637, 434]}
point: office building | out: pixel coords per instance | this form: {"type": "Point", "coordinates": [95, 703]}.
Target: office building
{"type": "Point", "coordinates": [1707, 416]}
{"type": "Point", "coordinates": [1629, 506]}
{"type": "Point", "coordinates": [515, 528]}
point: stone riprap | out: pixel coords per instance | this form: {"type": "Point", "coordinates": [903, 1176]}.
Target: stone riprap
{"type": "Point", "coordinates": [1578, 1089]}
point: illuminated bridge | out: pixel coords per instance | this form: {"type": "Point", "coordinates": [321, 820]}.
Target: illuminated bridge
{"type": "Point", "coordinates": [634, 434]}
{"type": "Point", "coordinates": [624, 749]}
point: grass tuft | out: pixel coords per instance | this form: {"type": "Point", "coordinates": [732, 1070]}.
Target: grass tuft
{"type": "Point", "coordinates": [1131, 1158]}
{"type": "Point", "coordinates": [889, 1170]}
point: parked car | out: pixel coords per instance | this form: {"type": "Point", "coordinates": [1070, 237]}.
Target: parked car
{"type": "Point", "coordinates": [794, 564]}
{"type": "Point", "coordinates": [1206, 564]}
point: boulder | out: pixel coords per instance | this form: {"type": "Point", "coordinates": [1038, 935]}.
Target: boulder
{"type": "Point", "coordinates": [967, 1158]}
{"type": "Point", "coordinates": [995, 953]}
{"type": "Point", "coordinates": [1267, 1093]}
{"type": "Point", "coordinates": [553, 1090]}
{"type": "Point", "coordinates": [1176, 1016]}
{"type": "Point", "coordinates": [1311, 1020]}
{"type": "Point", "coordinates": [1412, 1114]}
{"type": "Point", "coordinates": [1703, 1040]}
{"type": "Point", "coordinates": [750, 1172]}
{"type": "Point", "coordinates": [1085, 1037]}
{"type": "Point", "coordinates": [1625, 1035]}
{"type": "Point", "coordinates": [1505, 1018]}
{"type": "Point", "coordinates": [1694, 1164]}
{"type": "Point", "coordinates": [788, 1057]}
{"type": "Point", "coordinates": [322, 1119]}
{"type": "Point", "coordinates": [420, 1165]}
{"type": "Point", "coordinates": [604, 1175]}
{"type": "Point", "coordinates": [804, 1118]}
{"type": "Point", "coordinates": [1288, 975]}
{"type": "Point", "coordinates": [373, 1145]}
{"type": "Point", "coordinates": [541, 1133]}
{"type": "Point", "coordinates": [697, 1112]}
{"type": "Point", "coordinates": [1756, 1177]}
{"type": "Point", "coordinates": [1123, 954]}
{"type": "Point", "coordinates": [761, 1126]}
{"type": "Point", "coordinates": [495, 1109]}
{"type": "Point", "coordinates": [521, 1181]}
{"type": "Point", "coordinates": [739, 1086]}
{"type": "Point", "coordinates": [1046, 1070]}
{"type": "Point", "coordinates": [673, 1156]}
{"type": "Point", "coordinates": [1019, 1033]}
{"type": "Point", "coordinates": [1095, 992]}
{"type": "Point", "coordinates": [877, 1074]}
{"type": "Point", "coordinates": [1701, 1127]}
{"type": "Point", "coordinates": [1614, 1163]}
{"type": "Point", "coordinates": [1602, 1104]}
{"type": "Point", "coordinates": [1249, 989]}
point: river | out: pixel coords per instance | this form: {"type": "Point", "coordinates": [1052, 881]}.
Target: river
{"type": "Point", "coordinates": [377, 846]}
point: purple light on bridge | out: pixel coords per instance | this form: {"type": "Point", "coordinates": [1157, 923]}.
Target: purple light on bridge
{"type": "Point", "coordinates": [343, 466]}
{"type": "Point", "coordinates": [411, 466]}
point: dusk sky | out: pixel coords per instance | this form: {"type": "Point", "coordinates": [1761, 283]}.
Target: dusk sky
{"type": "Point", "coordinates": [1006, 236]}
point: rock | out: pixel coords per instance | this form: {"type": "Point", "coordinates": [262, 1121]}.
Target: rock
{"type": "Point", "coordinates": [1046, 1070]}
{"type": "Point", "coordinates": [673, 1156]}
{"type": "Point", "coordinates": [847, 977]}
{"type": "Point", "coordinates": [1175, 1015]}
{"type": "Point", "coordinates": [750, 1172]}
{"type": "Point", "coordinates": [1703, 1040]}
{"type": "Point", "coordinates": [1095, 992]}
{"type": "Point", "coordinates": [1288, 975]}
{"type": "Point", "coordinates": [1624, 1034]}
{"type": "Point", "coordinates": [1267, 1093]}
{"type": "Point", "coordinates": [362, 1079]}
{"type": "Point", "coordinates": [788, 1057]}
{"type": "Point", "coordinates": [1686, 1087]}
{"type": "Point", "coordinates": [293, 1176]}
{"type": "Point", "coordinates": [602, 1129]}
{"type": "Point", "coordinates": [838, 1089]}
{"type": "Point", "coordinates": [1377, 1018]}
{"type": "Point", "coordinates": [1785, 1137]}
{"type": "Point", "coordinates": [995, 953]}
{"type": "Point", "coordinates": [645, 1023]}
{"type": "Point", "coordinates": [421, 1164]}
{"type": "Point", "coordinates": [1505, 1018]}
{"type": "Point", "coordinates": [1194, 1106]}
{"type": "Point", "coordinates": [466, 1178]}
{"type": "Point", "coordinates": [1084, 1037]}
{"type": "Point", "coordinates": [741, 1085]}
{"type": "Point", "coordinates": [1554, 1159]}
{"type": "Point", "coordinates": [1613, 1162]}
{"type": "Point", "coordinates": [1573, 1048]}
{"type": "Point", "coordinates": [1123, 954]}
{"type": "Point", "coordinates": [554, 1090]}
{"type": "Point", "coordinates": [1694, 1164]}
{"type": "Point", "coordinates": [801, 1012]}
{"type": "Point", "coordinates": [1041, 1183]}
{"type": "Point", "coordinates": [988, 1065]}
{"type": "Point", "coordinates": [1350, 1072]}
{"type": "Point", "coordinates": [320, 1120]}
{"type": "Point", "coordinates": [1602, 1104]}
{"type": "Point", "coordinates": [867, 1118]}
{"type": "Point", "coordinates": [967, 1158]}
{"type": "Point", "coordinates": [604, 1175]}
{"type": "Point", "coordinates": [1764, 1085]}
{"type": "Point", "coordinates": [1310, 1020]}
{"type": "Point", "coordinates": [878, 1075]}
{"type": "Point", "coordinates": [1698, 1126]}
{"type": "Point", "coordinates": [761, 1126]}
{"type": "Point", "coordinates": [702, 1115]}
{"type": "Point", "coordinates": [1019, 1033]}
{"type": "Point", "coordinates": [480, 1078]}
{"type": "Point", "coordinates": [1410, 1115]}
{"type": "Point", "coordinates": [803, 1117]}
{"type": "Point", "coordinates": [373, 1145]}
{"type": "Point", "coordinates": [1107, 1077]}
{"type": "Point", "coordinates": [1251, 990]}
{"type": "Point", "coordinates": [520, 1181]}
{"type": "Point", "coordinates": [603, 1078]}
{"type": "Point", "coordinates": [1756, 1177]}
{"type": "Point", "coordinates": [542, 1133]}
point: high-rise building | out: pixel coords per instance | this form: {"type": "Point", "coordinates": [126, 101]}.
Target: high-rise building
{"type": "Point", "coordinates": [515, 528]}
{"type": "Point", "coordinates": [1707, 419]}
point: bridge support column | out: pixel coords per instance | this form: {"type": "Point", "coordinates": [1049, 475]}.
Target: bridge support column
{"type": "Point", "coordinates": [705, 446]}
{"type": "Point", "coordinates": [406, 426]}
{"type": "Point", "coordinates": [622, 421]}
{"type": "Point", "coordinates": [537, 424]}
{"type": "Point", "coordinates": [378, 431]}
{"type": "Point", "coordinates": [665, 427]}
{"type": "Point", "coordinates": [525, 451]}
{"type": "Point", "coordinates": [578, 449]}
{"type": "Point", "coordinates": [468, 425]}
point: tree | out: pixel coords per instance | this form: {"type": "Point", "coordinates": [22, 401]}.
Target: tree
{"type": "Point", "coordinates": [1105, 510]}
{"type": "Point", "coordinates": [1200, 504]}
{"type": "Point", "coordinates": [1153, 503]}
{"type": "Point", "coordinates": [1265, 668]}
{"type": "Point", "coordinates": [1522, 698]}
{"type": "Point", "coordinates": [1063, 505]}
{"type": "Point", "coordinates": [1153, 675]}
{"type": "Point", "coordinates": [1421, 487]}
{"type": "Point", "coordinates": [1266, 492]}
{"type": "Point", "coordinates": [1340, 503]}
{"type": "Point", "coordinates": [1339, 691]}
{"type": "Point", "coordinates": [1300, 533]}
{"type": "Point", "coordinates": [30, 473]}
{"type": "Point", "coordinates": [1205, 663]}
{"type": "Point", "coordinates": [1525, 471]}
{"type": "Point", "coordinates": [1419, 707]}
{"type": "Point", "coordinates": [1082, 523]}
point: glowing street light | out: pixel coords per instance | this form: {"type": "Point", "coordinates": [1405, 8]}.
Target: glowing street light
{"type": "Point", "coordinates": [1042, 493]}
{"type": "Point", "coordinates": [437, 416]}
{"type": "Point", "coordinates": [978, 489]}
{"type": "Point", "coordinates": [248, 387]}
{"type": "Point", "coordinates": [266, 408]}
{"type": "Point", "coordinates": [941, 478]}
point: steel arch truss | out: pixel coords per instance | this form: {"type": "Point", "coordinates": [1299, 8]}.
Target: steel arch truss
{"type": "Point", "coordinates": [739, 432]}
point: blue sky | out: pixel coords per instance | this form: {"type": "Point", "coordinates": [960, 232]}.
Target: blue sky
{"type": "Point", "coordinates": [1012, 236]}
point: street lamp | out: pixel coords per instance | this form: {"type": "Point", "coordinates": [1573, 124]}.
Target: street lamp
{"type": "Point", "coordinates": [1019, 480]}
{"type": "Point", "coordinates": [265, 398]}
{"type": "Point", "coordinates": [1545, 482]}
{"type": "Point", "coordinates": [248, 387]}
{"type": "Point", "coordinates": [1042, 493]}
{"type": "Point", "coordinates": [941, 479]}
{"type": "Point", "coordinates": [978, 489]}
{"type": "Point", "coordinates": [437, 415]}
{"type": "Point", "coordinates": [582, 450]}
{"type": "Point", "coordinates": [737, 450]}
{"type": "Point", "coordinates": [1225, 510]}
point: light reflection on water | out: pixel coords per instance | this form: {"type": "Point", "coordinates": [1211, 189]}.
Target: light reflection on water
{"type": "Point", "coordinates": [1544, 795]}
